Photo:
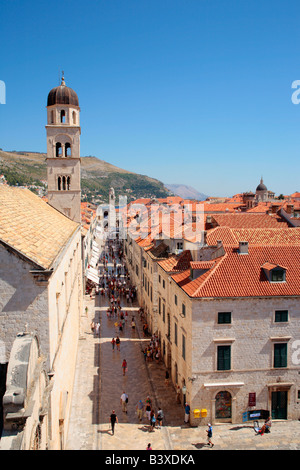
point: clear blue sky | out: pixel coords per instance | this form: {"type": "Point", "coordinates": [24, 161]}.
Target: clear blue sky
{"type": "Point", "coordinates": [187, 91]}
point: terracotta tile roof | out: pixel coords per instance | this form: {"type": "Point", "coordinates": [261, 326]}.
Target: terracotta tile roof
{"type": "Point", "coordinates": [159, 251]}
{"type": "Point", "coordinates": [176, 263]}
{"type": "Point", "coordinates": [31, 226]}
{"type": "Point", "coordinates": [256, 236]}
{"type": "Point", "coordinates": [225, 234]}
{"type": "Point", "coordinates": [262, 208]}
{"type": "Point", "coordinates": [202, 264]}
{"type": "Point", "coordinates": [246, 220]}
{"type": "Point", "coordinates": [236, 275]}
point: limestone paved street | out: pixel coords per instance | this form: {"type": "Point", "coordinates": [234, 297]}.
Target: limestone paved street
{"type": "Point", "coordinates": [99, 383]}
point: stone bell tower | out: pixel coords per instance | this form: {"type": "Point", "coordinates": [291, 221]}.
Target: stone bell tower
{"type": "Point", "coordinates": [63, 151]}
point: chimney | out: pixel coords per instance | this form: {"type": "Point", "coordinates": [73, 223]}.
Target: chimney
{"type": "Point", "coordinates": [243, 248]}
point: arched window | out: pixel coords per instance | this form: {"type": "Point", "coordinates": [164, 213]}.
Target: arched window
{"type": "Point", "coordinates": [58, 149]}
{"type": "Point", "coordinates": [64, 183]}
{"type": "Point", "coordinates": [74, 117]}
{"type": "Point", "coordinates": [68, 152]}
{"type": "Point", "coordinates": [59, 183]}
{"type": "Point", "coordinates": [68, 183]}
{"type": "Point", "coordinates": [62, 116]}
{"type": "Point", "coordinates": [223, 405]}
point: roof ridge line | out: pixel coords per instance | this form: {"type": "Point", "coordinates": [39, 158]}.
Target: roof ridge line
{"type": "Point", "coordinates": [212, 269]}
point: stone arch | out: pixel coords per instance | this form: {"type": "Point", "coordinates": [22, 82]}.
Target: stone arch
{"type": "Point", "coordinates": [223, 405]}
{"type": "Point", "coordinates": [63, 142]}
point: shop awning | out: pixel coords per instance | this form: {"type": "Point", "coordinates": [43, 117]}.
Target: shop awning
{"type": "Point", "coordinates": [92, 275]}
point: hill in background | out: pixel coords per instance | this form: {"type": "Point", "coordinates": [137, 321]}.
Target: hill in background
{"type": "Point", "coordinates": [186, 192]}
{"type": "Point", "coordinates": [97, 177]}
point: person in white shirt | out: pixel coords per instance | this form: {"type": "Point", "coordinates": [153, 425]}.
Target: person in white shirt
{"type": "Point", "coordinates": [124, 401]}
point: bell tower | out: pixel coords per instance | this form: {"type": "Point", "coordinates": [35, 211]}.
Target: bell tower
{"type": "Point", "coordinates": [63, 151]}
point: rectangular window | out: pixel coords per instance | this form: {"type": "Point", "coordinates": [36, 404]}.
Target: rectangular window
{"type": "Point", "coordinates": [281, 316]}
{"type": "Point", "coordinates": [164, 312]}
{"type": "Point", "coordinates": [164, 284]}
{"type": "Point", "coordinates": [175, 299]}
{"type": "Point", "coordinates": [183, 347]}
{"type": "Point", "coordinates": [183, 310]}
{"type": "Point", "coordinates": [175, 333]}
{"type": "Point", "coordinates": [280, 355]}
{"type": "Point", "coordinates": [278, 275]}
{"type": "Point", "coordinates": [224, 317]}
{"type": "Point", "coordinates": [224, 358]}
{"type": "Point", "coordinates": [159, 305]}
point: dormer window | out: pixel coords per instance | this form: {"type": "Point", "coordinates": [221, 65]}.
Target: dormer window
{"type": "Point", "coordinates": [278, 275]}
{"type": "Point", "coordinates": [274, 272]}
{"type": "Point", "coordinates": [197, 268]}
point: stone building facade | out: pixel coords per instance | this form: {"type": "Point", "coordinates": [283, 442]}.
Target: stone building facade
{"type": "Point", "coordinates": [227, 315]}
{"type": "Point", "coordinates": [41, 293]}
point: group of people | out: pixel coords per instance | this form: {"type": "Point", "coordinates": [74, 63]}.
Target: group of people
{"type": "Point", "coordinates": [152, 351]}
{"type": "Point", "coordinates": [144, 410]}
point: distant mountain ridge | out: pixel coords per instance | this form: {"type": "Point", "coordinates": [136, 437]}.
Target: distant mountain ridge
{"type": "Point", "coordinates": [186, 192]}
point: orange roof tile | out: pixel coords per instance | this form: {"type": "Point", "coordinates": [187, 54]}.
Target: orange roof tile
{"type": "Point", "coordinates": [246, 220]}
{"type": "Point", "coordinates": [176, 262]}
{"type": "Point", "coordinates": [256, 236]}
{"type": "Point", "coordinates": [236, 275]}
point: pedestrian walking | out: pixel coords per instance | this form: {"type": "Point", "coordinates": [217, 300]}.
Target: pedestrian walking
{"type": "Point", "coordinates": [187, 413]}
{"type": "Point", "coordinates": [113, 342]}
{"type": "Point", "coordinates": [124, 401]}
{"type": "Point", "coordinates": [139, 410]}
{"type": "Point", "coordinates": [148, 408]}
{"type": "Point", "coordinates": [97, 328]}
{"type": "Point", "coordinates": [118, 342]}
{"type": "Point", "coordinates": [209, 435]}
{"type": "Point", "coordinates": [113, 420]}
{"type": "Point", "coordinates": [149, 446]}
{"type": "Point", "coordinates": [159, 417]}
{"type": "Point", "coordinates": [152, 421]}
{"type": "Point", "coordinates": [124, 366]}
{"type": "Point", "coordinates": [167, 377]}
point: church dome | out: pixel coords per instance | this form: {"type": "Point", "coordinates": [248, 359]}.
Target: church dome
{"type": "Point", "coordinates": [62, 95]}
{"type": "Point", "coordinates": [261, 186]}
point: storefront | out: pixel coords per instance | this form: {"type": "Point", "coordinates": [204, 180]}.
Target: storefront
{"type": "Point", "coordinates": [223, 401]}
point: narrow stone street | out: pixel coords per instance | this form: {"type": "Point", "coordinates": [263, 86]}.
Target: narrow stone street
{"type": "Point", "coordinates": [99, 383]}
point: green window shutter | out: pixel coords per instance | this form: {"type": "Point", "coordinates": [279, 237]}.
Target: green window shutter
{"type": "Point", "coordinates": [224, 317]}
{"type": "Point", "coordinates": [280, 355]}
{"type": "Point", "coordinates": [281, 316]}
{"type": "Point", "coordinates": [224, 358]}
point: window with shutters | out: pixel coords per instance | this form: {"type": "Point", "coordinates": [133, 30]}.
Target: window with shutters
{"type": "Point", "coordinates": [183, 347]}
{"type": "Point", "coordinates": [280, 355]}
{"type": "Point", "coordinates": [224, 317]}
{"type": "Point", "coordinates": [224, 357]}
{"type": "Point", "coordinates": [281, 316]}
